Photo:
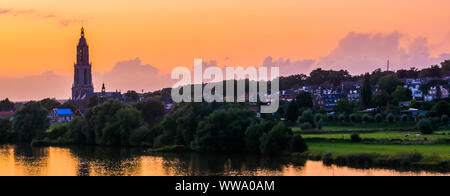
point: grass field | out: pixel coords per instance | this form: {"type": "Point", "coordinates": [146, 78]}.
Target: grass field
{"type": "Point", "coordinates": [442, 150]}
{"type": "Point", "coordinates": [363, 127]}
{"type": "Point", "coordinates": [384, 135]}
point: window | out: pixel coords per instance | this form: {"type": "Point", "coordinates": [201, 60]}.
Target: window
{"type": "Point", "coordinates": [85, 77]}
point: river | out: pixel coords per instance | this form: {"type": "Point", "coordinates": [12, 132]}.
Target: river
{"type": "Point", "coordinates": [100, 161]}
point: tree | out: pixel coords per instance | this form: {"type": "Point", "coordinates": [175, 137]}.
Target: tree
{"type": "Point", "coordinates": [378, 118]}
{"type": "Point", "coordinates": [292, 111]}
{"type": "Point", "coordinates": [445, 67]}
{"type": "Point", "coordinates": [254, 132]}
{"type": "Point", "coordinates": [50, 104]}
{"type": "Point", "coordinates": [366, 92]}
{"type": "Point", "coordinates": [401, 94]}
{"type": "Point", "coordinates": [304, 100]}
{"type": "Point", "coordinates": [98, 116]}
{"type": "Point", "coordinates": [6, 105]}
{"type": "Point", "coordinates": [31, 121]}
{"type": "Point", "coordinates": [277, 140]}
{"type": "Point", "coordinates": [438, 92]}
{"type": "Point", "coordinates": [432, 72]}
{"type": "Point", "coordinates": [152, 111]}
{"type": "Point", "coordinates": [224, 130]}
{"type": "Point", "coordinates": [307, 117]}
{"type": "Point", "coordinates": [345, 106]}
{"type": "Point", "coordinates": [133, 95]}
{"type": "Point", "coordinates": [388, 83]}
{"type": "Point", "coordinates": [5, 127]}
{"type": "Point", "coordinates": [118, 130]}
{"type": "Point", "coordinates": [424, 126]}
{"type": "Point", "coordinates": [79, 132]}
{"type": "Point", "coordinates": [390, 118]}
{"type": "Point", "coordinates": [355, 138]}
{"type": "Point", "coordinates": [298, 144]}
{"type": "Point", "coordinates": [441, 108]}
{"type": "Point", "coordinates": [381, 99]}
{"type": "Point", "coordinates": [444, 119]}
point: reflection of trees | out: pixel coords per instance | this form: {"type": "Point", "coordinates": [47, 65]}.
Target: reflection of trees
{"type": "Point", "coordinates": [31, 159]}
{"type": "Point", "coordinates": [223, 164]}
{"type": "Point", "coordinates": [107, 161]}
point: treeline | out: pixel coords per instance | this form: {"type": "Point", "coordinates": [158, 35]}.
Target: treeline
{"type": "Point", "coordinates": [320, 77]}
{"type": "Point", "coordinates": [211, 127]}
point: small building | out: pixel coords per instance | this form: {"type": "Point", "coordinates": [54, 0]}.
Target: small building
{"type": "Point", "coordinates": [412, 112]}
{"type": "Point", "coordinates": [404, 103]}
{"type": "Point", "coordinates": [61, 115]}
{"type": "Point", "coordinates": [7, 114]}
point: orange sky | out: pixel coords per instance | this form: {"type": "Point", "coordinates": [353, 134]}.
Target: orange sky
{"type": "Point", "coordinates": [41, 35]}
{"type": "Point", "coordinates": [38, 38]}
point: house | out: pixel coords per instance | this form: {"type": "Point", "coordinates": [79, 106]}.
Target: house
{"type": "Point", "coordinates": [327, 101]}
{"type": "Point", "coordinates": [7, 114]}
{"type": "Point", "coordinates": [415, 90]}
{"type": "Point", "coordinates": [403, 103]}
{"type": "Point", "coordinates": [61, 115]}
{"type": "Point", "coordinates": [432, 93]}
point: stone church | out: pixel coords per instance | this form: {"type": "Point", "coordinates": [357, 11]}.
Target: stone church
{"type": "Point", "coordinates": [83, 88]}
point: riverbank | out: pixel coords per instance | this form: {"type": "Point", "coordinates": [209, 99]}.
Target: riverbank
{"type": "Point", "coordinates": [400, 157]}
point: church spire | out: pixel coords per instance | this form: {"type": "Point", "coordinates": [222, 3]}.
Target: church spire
{"type": "Point", "coordinates": [82, 31]}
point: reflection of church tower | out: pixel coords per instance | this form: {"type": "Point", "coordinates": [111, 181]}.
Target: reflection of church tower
{"type": "Point", "coordinates": [82, 84]}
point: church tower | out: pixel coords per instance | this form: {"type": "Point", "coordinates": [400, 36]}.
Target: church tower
{"type": "Point", "coordinates": [82, 84]}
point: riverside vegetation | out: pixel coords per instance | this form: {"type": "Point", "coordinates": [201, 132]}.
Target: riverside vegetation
{"type": "Point", "coordinates": [381, 137]}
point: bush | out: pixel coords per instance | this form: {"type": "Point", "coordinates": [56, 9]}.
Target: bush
{"type": "Point", "coordinates": [317, 117]}
{"type": "Point", "coordinates": [404, 118]}
{"type": "Point", "coordinates": [307, 117]}
{"type": "Point", "coordinates": [390, 118]}
{"type": "Point", "coordinates": [305, 126]}
{"type": "Point", "coordinates": [341, 117]}
{"type": "Point", "coordinates": [355, 138]}
{"type": "Point", "coordinates": [353, 118]}
{"type": "Point", "coordinates": [57, 131]}
{"type": "Point", "coordinates": [420, 117]}
{"type": "Point", "coordinates": [378, 118]}
{"type": "Point", "coordinates": [424, 126]}
{"type": "Point", "coordinates": [444, 119]}
{"type": "Point", "coordinates": [320, 125]}
{"type": "Point", "coordinates": [330, 117]}
{"type": "Point", "coordinates": [298, 144]}
{"type": "Point", "coordinates": [366, 118]}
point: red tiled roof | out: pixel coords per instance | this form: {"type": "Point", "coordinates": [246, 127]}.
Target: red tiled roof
{"type": "Point", "coordinates": [6, 114]}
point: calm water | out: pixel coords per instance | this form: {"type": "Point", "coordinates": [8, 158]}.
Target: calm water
{"type": "Point", "coordinates": [56, 161]}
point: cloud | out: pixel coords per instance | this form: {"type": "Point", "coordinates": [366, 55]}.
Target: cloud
{"type": "Point", "coordinates": [132, 75]}
{"type": "Point", "coordinates": [62, 21]}
{"type": "Point", "coordinates": [364, 52]}
{"type": "Point", "coordinates": [288, 67]}
{"type": "Point", "coordinates": [36, 87]}
{"type": "Point", "coordinates": [125, 75]}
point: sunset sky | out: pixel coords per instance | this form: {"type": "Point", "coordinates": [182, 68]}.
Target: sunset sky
{"type": "Point", "coordinates": [132, 37]}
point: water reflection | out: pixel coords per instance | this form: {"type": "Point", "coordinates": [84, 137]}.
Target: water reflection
{"type": "Point", "coordinates": [95, 161]}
